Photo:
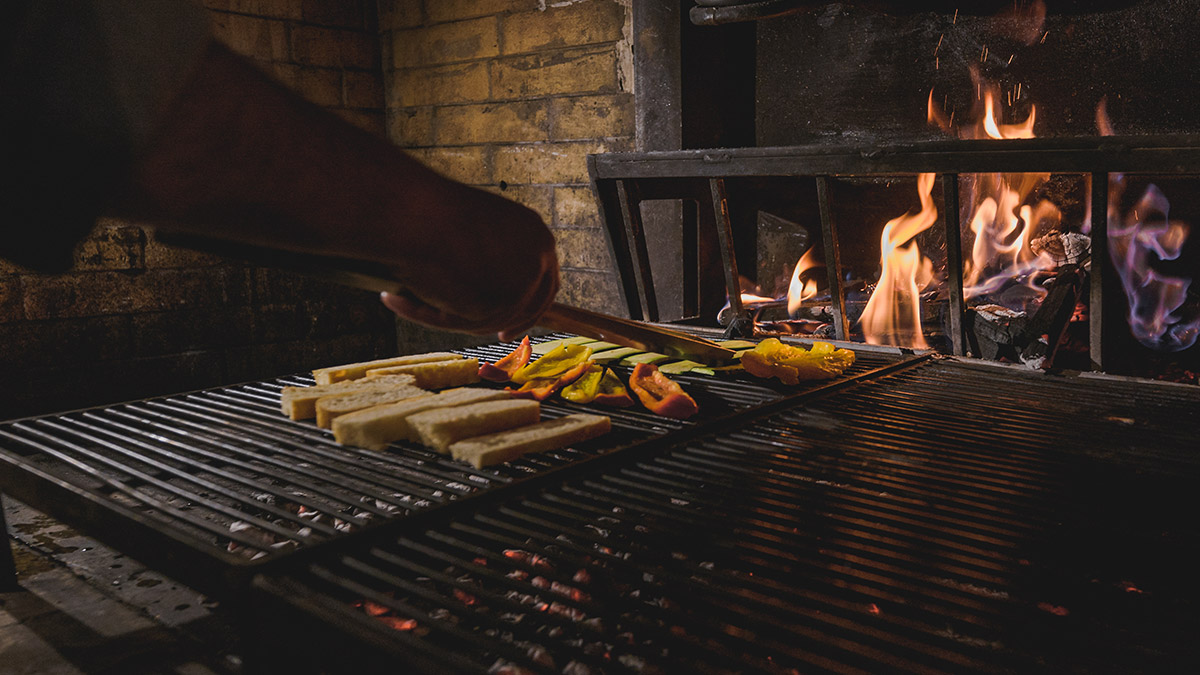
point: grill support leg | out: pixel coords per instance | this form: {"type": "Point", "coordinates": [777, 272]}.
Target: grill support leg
{"type": "Point", "coordinates": [8, 567]}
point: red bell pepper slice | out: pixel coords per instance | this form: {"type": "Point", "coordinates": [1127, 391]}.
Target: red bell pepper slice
{"type": "Point", "coordinates": [660, 394]}
{"type": "Point", "coordinates": [543, 388]}
{"type": "Point", "coordinates": [502, 370]}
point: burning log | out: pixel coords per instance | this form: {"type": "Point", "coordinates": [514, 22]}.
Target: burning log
{"type": "Point", "coordinates": [993, 331]}
{"type": "Point", "coordinates": [999, 333]}
{"type": "Point", "coordinates": [1064, 248]}
{"type": "Point", "coordinates": [1046, 329]}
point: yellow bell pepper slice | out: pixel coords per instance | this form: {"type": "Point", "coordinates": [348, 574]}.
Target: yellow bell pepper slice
{"type": "Point", "coordinates": [790, 364]}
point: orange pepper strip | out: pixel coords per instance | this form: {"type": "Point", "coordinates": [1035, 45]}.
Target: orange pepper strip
{"type": "Point", "coordinates": [543, 388]}
{"type": "Point", "coordinates": [660, 394]}
{"type": "Point", "coordinates": [502, 370]}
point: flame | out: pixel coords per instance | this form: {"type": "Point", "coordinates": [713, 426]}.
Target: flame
{"type": "Point", "coordinates": [800, 290]}
{"type": "Point", "coordinates": [1146, 233]}
{"type": "Point", "coordinates": [750, 299]}
{"type": "Point", "coordinates": [1002, 221]}
{"type": "Point", "coordinates": [893, 313]}
{"type": "Point", "coordinates": [1154, 299]}
{"type": "Point", "coordinates": [993, 129]}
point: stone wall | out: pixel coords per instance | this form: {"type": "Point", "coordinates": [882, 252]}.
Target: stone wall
{"type": "Point", "coordinates": [511, 96]}
{"type": "Point", "coordinates": [136, 318]}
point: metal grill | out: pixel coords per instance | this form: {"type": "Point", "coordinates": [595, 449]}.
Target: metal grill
{"type": "Point", "coordinates": [209, 485]}
{"type": "Point", "coordinates": [945, 517]}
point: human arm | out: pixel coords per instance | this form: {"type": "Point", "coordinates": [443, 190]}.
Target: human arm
{"type": "Point", "coordinates": [240, 157]}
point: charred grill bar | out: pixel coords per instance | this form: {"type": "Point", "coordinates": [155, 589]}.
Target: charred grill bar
{"type": "Point", "coordinates": [942, 516]}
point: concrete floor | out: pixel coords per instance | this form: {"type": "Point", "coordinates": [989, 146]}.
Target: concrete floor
{"type": "Point", "coordinates": [81, 607]}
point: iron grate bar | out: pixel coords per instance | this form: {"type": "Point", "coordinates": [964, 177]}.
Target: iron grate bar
{"type": "Point", "coordinates": [886, 524]}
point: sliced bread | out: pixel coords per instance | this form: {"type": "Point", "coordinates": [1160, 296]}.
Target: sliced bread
{"type": "Point", "coordinates": [435, 375]}
{"type": "Point", "coordinates": [330, 408]}
{"type": "Point", "coordinates": [505, 446]}
{"type": "Point", "coordinates": [439, 428]}
{"type": "Point", "coordinates": [378, 427]}
{"type": "Point", "coordinates": [353, 371]}
{"type": "Point", "coordinates": [300, 403]}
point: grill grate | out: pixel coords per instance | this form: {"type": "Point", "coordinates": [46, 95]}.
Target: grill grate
{"type": "Point", "coordinates": [207, 486]}
{"type": "Point", "coordinates": [946, 517]}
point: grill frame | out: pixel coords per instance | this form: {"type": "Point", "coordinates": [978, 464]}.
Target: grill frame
{"type": "Point", "coordinates": [981, 553]}
{"type": "Point", "coordinates": [623, 181]}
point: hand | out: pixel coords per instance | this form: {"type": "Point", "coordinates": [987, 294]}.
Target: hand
{"type": "Point", "coordinates": [491, 267]}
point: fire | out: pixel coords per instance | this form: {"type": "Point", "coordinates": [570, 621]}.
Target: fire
{"type": "Point", "coordinates": [750, 299]}
{"type": "Point", "coordinates": [893, 313]}
{"type": "Point", "coordinates": [800, 290]}
{"type": "Point", "coordinates": [1146, 234]}
{"type": "Point", "coordinates": [1002, 221]}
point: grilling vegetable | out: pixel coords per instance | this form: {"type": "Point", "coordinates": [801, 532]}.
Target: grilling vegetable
{"type": "Point", "coordinates": [598, 385]}
{"type": "Point", "coordinates": [584, 389]}
{"type": "Point", "coordinates": [502, 370]}
{"type": "Point", "coordinates": [611, 392]}
{"type": "Point", "coordinates": [556, 362]}
{"type": "Point", "coordinates": [660, 394]}
{"type": "Point", "coordinates": [772, 358]}
{"type": "Point", "coordinates": [542, 388]}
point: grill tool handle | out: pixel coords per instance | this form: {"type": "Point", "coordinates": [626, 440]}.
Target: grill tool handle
{"type": "Point", "coordinates": [634, 334]}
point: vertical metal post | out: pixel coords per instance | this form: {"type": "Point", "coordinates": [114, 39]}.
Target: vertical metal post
{"type": "Point", "coordinates": [635, 235]}
{"type": "Point", "coordinates": [720, 206]}
{"type": "Point", "coordinates": [8, 567]}
{"type": "Point", "coordinates": [612, 218]}
{"type": "Point", "coordinates": [954, 261]}
{"type": "Point", "coordinates": [1099, 271]}
{"type": "Point", "coordinates": [833, 261]}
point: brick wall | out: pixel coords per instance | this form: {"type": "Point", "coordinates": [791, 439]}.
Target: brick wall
{"type": "Point", "coordinates": [511, 96]}
{"type": "Point", "coordinates": [136, 318]}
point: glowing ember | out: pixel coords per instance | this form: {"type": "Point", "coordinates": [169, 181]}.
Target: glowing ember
{"type": "Point", "coordinates": [398, 623]}
{"type": "Point", "coordinates": [893, 313]}
{"type": "Point", "coordinates": [1146, 234]}
{"type": "Point", "coordinates": [800, 290]}
{"type": "Point", "coordinates": [1056, 610]}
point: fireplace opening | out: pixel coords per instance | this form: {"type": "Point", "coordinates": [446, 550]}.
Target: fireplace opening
{"type": "Point", "coordinates": [1015, 184]}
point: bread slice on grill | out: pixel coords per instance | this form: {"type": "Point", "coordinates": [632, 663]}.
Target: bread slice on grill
{"type": "Point", "coordinates": [439, 428]}
{"type": "Point", "coordinates": [435, 375]}
{"type": "Point", "coordinates": [379, 426]}
{"type": "Point", "coordinates": [330, 408]}
{"type": "Point", "coordinates": [353, 371]}
{"type": "Point", "coordinates": [505, 446]}
{"type": "Point", "coordinates": [300, 403]}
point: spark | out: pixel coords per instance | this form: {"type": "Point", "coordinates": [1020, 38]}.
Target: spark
{"type": "Point", "coordinates": [936, 63]}
{"type": "Point", "coordinates": [1018, 90]}
{"type": "Point", "coordinates": [955, 20]}
{"type": "Point", "coordinates": [1010, 58]}
{"type": "Point", "coordinates": [939, 44]}
{"type": "Point", "coordinates": [1043, 40]}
